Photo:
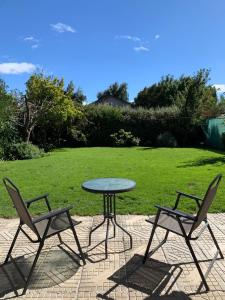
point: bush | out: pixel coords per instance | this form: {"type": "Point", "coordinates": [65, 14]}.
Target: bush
{"type": "Point", "coordinates": [166, 139]}
{"type": "Point", "coordinates": [1, 153]}
{"type": "Point", "coordinates": [23, 151]}
{"type": "Point", "coordinates": [100, 121]}
{"type": "Point", "coordinates": [124, 138]}
{"type": "Point", "coordinates": [76, 137]}
{"type": "Point", "coordinates": [103, 120]}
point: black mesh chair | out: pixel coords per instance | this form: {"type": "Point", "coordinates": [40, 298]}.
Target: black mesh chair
{"type": "Point", "coordinates": [43, 227]}
{"type": "Point", "coordinates": [183, 224]}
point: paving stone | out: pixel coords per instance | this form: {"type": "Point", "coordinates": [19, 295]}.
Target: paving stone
{"type": "Point", "coordinates": [169, 274]}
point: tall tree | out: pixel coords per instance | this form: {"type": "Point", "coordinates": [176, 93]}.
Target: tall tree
{"type": "Point", "coordinates": [46, 104]}
{"type": "Point", "coordinates": [8, 116]}
{"type": "Point", "coordinates": [159, 94]}
{"type": "Point", "coordinates": [192, 94]}
{"type": "Point", "coordinates": [115, 90]}
{"type": "Point", "coordinates": [77, 96]}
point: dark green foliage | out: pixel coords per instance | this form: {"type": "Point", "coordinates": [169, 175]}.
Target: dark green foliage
{"type": "Point", "coordinates": [159, 94]}
{"type": "Point", "coordinates": [124, 138]}
{"type": "Point", "coordinates": [166, 139]}
{"type": "Point", "coordinates": [8, 118]}
{"type": "Point", "coordinates": [77, 96]}
{"type": "Point", "coordinates": [23, 151]}
{"type": "Point", "coordinates": [116, 90]}
{"type": "Point", "coordinates": [103, 120]}
{"type": "Point", "coordinates": [76, 137]}
{"type": "Point", "coordinates": [192, 94]}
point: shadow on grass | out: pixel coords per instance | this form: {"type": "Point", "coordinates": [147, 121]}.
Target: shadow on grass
{"type": "Point", "coordinates": [203, 162]}
{"type": "Point", "coordinates": [148, 148]}
{"type": "Point", "coordinates": [53, 268]}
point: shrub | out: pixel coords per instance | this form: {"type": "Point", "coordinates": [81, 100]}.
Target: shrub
{"type": "Point", "coordinates": [1, 153]}
{"type": "Point", "coordinates": [124, 138]}
{"type": "Point", "coordinates": [23, 151]}
{"type": "Point", "coordinates": [101, 121]}
{"type": "Point", "coordinates": [166, 139]}
{"type": "Point", "coordinates": [76, 137]}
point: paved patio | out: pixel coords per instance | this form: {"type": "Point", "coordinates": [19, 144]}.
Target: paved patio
{"type": "Point", "coordinates": [169, 274]}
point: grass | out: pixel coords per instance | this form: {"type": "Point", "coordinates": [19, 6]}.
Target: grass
{"type": "Point", "coordinates": [158, 172]}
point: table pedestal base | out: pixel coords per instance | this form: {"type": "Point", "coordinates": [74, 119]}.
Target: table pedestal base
{"type": "Point", "coordinates": [109, 213]}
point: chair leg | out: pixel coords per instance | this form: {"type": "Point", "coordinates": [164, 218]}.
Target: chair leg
{"type": "Point", "coordinates": [78, 244]}
{"type": "Point", "coordinates": [151, 237]}
{"type": "Point", "coordinates": [12, 245]}
{"type": "Point", "coordinates": [215, 241]}
{"type": "Point", "coordinates": [60, 238]}
{"type": "Point", "coordinates": [149, 244]}
{"type": "Point", "coordinates": [197, 264]}
{"type": "Point", "coordinates": [106, 239]}
{"type": "Point", "coordinates": [32, 267]}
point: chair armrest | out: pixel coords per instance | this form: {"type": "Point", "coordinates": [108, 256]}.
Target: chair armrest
{"type": "Point", "coordinates": [177, 213]}
{"type": "Point", "coordinates": [44, 196]}
{"type": "Point", "coordinates": [51, 214]}
{"type": "Point", "coordinates": [41, 197]}
{"type": "Point", "coordinates": [189, 196]}
{"type": "Point", "coordinates": [179, 194]}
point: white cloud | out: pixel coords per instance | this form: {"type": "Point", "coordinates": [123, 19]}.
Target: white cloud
{"type": "Point", "coordinates": [141, 48]}
{"type": "Point", "coordinates": [31, 39]}
{"type": "Point", "coordinates": [60, 27]}
{"type": "Point", "coordinates": [219, 87]}
{"type": "Point", "coordinates": [16, 68]}
{"type": "Point", "coordinates": [128, 37]}
{"type": "Point", "coordinates": [157, 36]}
{"type": "Point", "coordinates": [35, 46]}
{"type": "Point", "coordinates": [34, 42]}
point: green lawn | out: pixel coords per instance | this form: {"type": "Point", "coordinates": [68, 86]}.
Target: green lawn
{"type": "Point", "coordinates": [158, 172]}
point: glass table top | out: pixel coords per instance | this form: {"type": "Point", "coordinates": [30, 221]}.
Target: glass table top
{"type": "Point", "coordinates": [109, 185]}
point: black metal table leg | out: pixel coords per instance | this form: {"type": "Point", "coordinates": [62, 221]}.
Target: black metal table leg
{"type": "Point", "coordinates": [109, 213]}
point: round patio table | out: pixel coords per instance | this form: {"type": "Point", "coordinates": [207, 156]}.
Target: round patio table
{"type": "Point", "coordinates": [109, 187]}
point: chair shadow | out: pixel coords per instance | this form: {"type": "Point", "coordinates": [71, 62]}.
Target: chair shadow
{"type": "Point", "coordinates": [53, 267]}
{"type": "Point", "coordinates": [151, 278]}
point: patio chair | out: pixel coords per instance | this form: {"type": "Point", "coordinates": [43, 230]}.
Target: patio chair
{"type": "Point", "coordinates": [45, 226]}
{"type": "Point", "coordinates": [183, 224]}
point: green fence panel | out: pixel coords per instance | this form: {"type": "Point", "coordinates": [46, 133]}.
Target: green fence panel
{"type": "Point", "coordinates": [213, 129]}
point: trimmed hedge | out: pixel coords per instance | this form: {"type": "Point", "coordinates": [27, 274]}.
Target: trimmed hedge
{"type": "Point", "coordinates": [101, 121]}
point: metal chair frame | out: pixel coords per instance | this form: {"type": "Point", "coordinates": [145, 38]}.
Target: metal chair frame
{"type": "Point", "coordinates": [197, 220]}
{"type": "Point", "coordinates": [32, 224]}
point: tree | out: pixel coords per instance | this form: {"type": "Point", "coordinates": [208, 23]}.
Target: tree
{"type": "Point", "coordinates": [195, 97]}
{"type": "Point", "coordinates": [46, 104]}
{"type": "Point", "coordinates": [159, 94]}
{"type": "Point", "coordinates": [192, 94]}
{"type": "Point", "coordinates": [8, 117]}
{"type": "Point", "coordinates": [77, 96]}
{"type": "Point", "coordinates": [115, 90]}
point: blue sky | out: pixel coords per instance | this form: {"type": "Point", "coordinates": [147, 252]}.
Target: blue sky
{"type": "Point", "coordinates": [97, 42]}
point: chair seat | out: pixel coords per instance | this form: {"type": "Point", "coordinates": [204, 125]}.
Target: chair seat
{"type": "Point", "coordinates": [59, 223]}
{"type": "Point", "coordinates": [170, 222]}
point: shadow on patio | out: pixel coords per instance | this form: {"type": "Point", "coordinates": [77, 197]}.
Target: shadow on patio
{"type": "Point", "coordinates": [53, 267]}
{"type": "Point", "coordinates": [151, 278]}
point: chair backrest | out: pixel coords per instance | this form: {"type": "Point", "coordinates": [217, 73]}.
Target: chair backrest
{"type": "Point", "coordinates": [207, 200]}
{"type": "Point", "coordinates": [19, 204]}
